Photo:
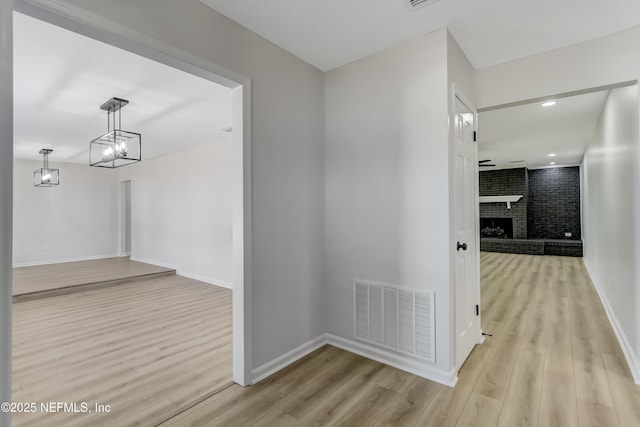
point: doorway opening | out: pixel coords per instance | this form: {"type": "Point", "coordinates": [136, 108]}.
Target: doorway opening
{"type": "Point", "coordinates": [532, 152]}
{"type": "Point", "coordinates": [125, 218]}
{"type": "Point", "coordinates": [239, 181]}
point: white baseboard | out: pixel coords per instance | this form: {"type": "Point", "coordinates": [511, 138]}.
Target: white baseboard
{"type": "Point", "coordinates": [153, 262]}
{"type": "Point", "coordinates": [204, 279]}
{"type": "Point", "coordinates": [405, 363]}
{"type": "Point", "coordinates": [627, 349]}
{"type": "Point", "coordinates": [61, 261]}
{"type": "Point", "coordinates": [270, 368]}
{"type": "Point", "coordinates": [183, 273]}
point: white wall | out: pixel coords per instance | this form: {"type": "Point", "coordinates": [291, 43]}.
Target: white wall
{"type": "Point", "coordinates": [459, 69]}
{"type": "Point", "coordinates": [287, 124]}
{"type": "Point", "coordinates": [611, 215]}
{"type": "Point", "coordinates": [180, 212]}
{"type": "Point", "coordinates": [386, 180]}
{"type": "Point", "coordinates": [77, 219]}
{"type": "Point", "coordinates": [604, 61]}
{"type": "Point", "coordinates": [181, 208]}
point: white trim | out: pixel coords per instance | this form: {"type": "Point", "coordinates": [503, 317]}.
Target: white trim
{"type": "Point", "coordinates": [564, 165]}
{"type": "Point", "coordinates": [61, 261]}
{"type": "Point", "coordinates": [205, 279]}
{"type": "Point", "coordinates": [627, 349]}
{"type": "Point", "coordinates": [397, 360]}
{"type": "Point", "coordinates": [405, 363]}
{"type": "Point", "coordinates": [500, 199]}
{"type": "Point", "coordinates": [281, 362]}
{"type": "Point", "coordinates": [154, 262]}
{"type": "Point", "coordinates": [180, 272]}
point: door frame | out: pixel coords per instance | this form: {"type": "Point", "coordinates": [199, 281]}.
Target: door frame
{"type": "Point", "coordinates": [457, 93]}
{"type": "Point", "coordinates": [111, 32]}
{"type": "Point", "coordinates": [6, 202]}
{"type": "Point", "coordinates": [125, 218]}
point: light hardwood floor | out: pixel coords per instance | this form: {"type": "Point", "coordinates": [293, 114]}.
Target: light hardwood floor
{"type": "Point", "coordinates": [148, 349]}
{"type": "Point", "coordinates": [41, 279]}
{"type": "Point", "coordinates": [553, 360]}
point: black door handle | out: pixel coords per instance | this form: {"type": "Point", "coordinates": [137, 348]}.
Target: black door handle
{"type": "Point", "coordinates": [462, 246]}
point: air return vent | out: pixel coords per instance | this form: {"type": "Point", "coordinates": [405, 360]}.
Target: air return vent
{"type": "Point", "coordinates": [414, 4]}
{"type": "Point", "coordinates": [395, 318]}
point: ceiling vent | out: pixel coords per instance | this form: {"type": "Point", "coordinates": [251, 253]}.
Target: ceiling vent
{"type": "Point", "coordinates": [415, 4]}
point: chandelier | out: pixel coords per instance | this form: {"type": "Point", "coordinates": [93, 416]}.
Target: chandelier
{"type": "Point", "coordinates": [117, 147]}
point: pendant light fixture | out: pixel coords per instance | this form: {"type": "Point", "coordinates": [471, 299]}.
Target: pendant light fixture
{"type": "Point", "coordinates": [46, 176]}
{"type": "Point", "coordinates": [117, 147]}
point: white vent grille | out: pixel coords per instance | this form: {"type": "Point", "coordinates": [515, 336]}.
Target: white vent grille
{"type": "Point", "coordinates": [394, 318]}
{"type": "Point", "coordinates": [413, 4]}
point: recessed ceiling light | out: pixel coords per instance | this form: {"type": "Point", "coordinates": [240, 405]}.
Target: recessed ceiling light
{"type": "Point", "coordinates": [548, 103]}
{"type": "Point", "coordinates": [552, 163]}
{"type": "Point", "coordinates": [551, 154]}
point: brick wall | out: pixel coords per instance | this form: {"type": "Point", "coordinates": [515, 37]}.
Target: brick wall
{"type": "Point", "coordinates": [554, 203]}
{"type": "Point", "coordinates": [506, 182]}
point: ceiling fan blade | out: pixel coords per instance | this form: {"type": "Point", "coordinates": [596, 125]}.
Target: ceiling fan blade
{"type": "Point", "coordinates": [483, 161]}
{"type": "Point", "coordinates": [485, 165]}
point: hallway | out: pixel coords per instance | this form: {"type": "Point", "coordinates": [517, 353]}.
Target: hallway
{"type": "Point", "coordinates": [553, 356]}
{"type": "Point", "coordinates": [553, 360]}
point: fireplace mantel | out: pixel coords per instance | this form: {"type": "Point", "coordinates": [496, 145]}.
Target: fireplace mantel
{"type": "Point", "coordinates": [500, 199]}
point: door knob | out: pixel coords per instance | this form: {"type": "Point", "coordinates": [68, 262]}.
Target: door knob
{"type": "Point", "coordinates": [462, 246]}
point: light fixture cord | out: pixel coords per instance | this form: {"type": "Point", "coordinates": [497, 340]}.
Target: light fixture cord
{"type": "Point", "coordinates": [45, 160]}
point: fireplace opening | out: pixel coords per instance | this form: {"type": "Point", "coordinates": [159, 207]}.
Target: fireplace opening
{"type": "Point", "coordinates": [501, 228]}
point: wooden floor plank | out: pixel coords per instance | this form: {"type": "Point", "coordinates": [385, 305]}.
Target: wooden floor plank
{"type": "Point", "coordinates": [479, 411]}
{"type": "Point", "coordinates": [407, 409]}
{"type": "Point", "coordinates": [148, 349]}
{"type": "Point", "coordinates": [553, 360]}
{"type": "Point", "coordinates": [522, 401]}
{"type": "Point", "coordinates": [67, 275]}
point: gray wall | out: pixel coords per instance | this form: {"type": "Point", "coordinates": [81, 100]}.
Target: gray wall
{"type": "Point", "coordinates": [506, 182]}
{"type": "Point", "coordinates": [554, 203]}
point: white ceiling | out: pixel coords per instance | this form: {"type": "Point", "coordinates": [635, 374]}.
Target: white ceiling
{"type": "Point", "coordinates": [62, 78]}
{"type": "Point", "coordinates": [531, 132]}
{"type": "Point", "coordinates": [330, 33]}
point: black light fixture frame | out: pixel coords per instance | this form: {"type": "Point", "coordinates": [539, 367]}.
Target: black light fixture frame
{"type": "Point", "coordinates": [117, 147]}
{"type": "Point", "coordinates": [46, 176]}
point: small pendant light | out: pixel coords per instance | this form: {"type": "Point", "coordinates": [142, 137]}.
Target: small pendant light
{"type": "Point", "coordinates": [46, 176]}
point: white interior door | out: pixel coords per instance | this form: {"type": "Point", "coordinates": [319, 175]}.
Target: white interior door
{"type": "Point", "coordinates": [467, 280]}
